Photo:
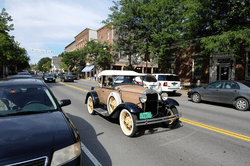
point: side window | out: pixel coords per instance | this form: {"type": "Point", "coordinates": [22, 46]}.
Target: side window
{"type": "Point", "coordinates": [231, 85]}
{"type": "Point", "coordinates": [215, 85]}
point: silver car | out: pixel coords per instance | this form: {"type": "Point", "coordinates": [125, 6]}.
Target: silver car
{"type": "Point", "coordinates": [228, 92]}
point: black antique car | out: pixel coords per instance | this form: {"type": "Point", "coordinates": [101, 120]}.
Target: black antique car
{"type": "Point", "coordinates": [34, 128]}
{"type": "Point", "coordinates": [119, 96]}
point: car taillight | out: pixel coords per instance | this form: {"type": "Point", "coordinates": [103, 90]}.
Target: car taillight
{"type": "Point", "coordinates": [144, 84]}
{"type": "Point", "coordinates": [139, 83]}
{"type": "Point", "coordinates": [65, 77]}
{"type": "Point", "coordinates": [159, 84]}
{"type": "Point", "coordinates": [165, 84]}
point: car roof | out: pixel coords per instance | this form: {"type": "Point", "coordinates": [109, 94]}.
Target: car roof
{"type": "Point", "coordinates": [14, 82]}
{"type": "Point", "coordinates": [120, 73]}
{"type": "Point", "coordinates": [19, 76]}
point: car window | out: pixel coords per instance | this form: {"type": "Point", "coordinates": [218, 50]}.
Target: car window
{"type": "Point", "coordinates": [215, 85]}
{"type": "Point", "coordinates": [168, 78]}
{"type": "Point", "coordinates": [231, 85]}
{"type": "Point", "coordinates": [124, 80]}
{"type": "Point", "coordinates": [25, 98]}
{"type": "Point", "coordinates": [149, 79]}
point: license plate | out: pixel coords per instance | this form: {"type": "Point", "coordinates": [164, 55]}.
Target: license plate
{"type": "Point", "coordinates": [145, 115]}
{"type": "Point", "coordinates": [153, 86]}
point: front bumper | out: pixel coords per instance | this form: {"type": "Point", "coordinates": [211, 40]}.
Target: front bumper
{"type": "Point", "coordinates": [157, 120]}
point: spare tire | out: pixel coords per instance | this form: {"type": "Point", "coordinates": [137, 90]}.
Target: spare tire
{"type": "Point", "coordinates": [113, 101]}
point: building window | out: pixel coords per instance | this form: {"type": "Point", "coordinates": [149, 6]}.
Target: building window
{"type": "Point", "coordinates": [100, 38]}
{"type": "Point", "coordinates": [108, 35]}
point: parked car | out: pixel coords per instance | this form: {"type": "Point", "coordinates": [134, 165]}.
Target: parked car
{"type": "Point", "coordinates": [228, 92]}
{"type": "Point", "coordinates": [67, 77]}
{"type": "Point", "coordinates": [168, 82]}
{"type": "Point", "coordinates": [75, 75]}
{"type": "Point", "coordinates": [149, 81]}
{"type": "Point", "coordinates": [34, 128]}
{"type": "Point", "coordinates": [49, 78]}
{"type": "Point", "coordinates": [119, 96]}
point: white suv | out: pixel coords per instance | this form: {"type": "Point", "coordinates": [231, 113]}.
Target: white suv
{"type": "Point", "coordinates": [149, 81]}
{"type": "Point", "coordinates": [168, 82]}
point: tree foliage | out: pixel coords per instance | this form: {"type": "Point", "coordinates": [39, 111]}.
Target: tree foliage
{"type": "Point", "coordinates": [10, 51]}
{"type": "Point", "coordinates": [42, 64]}
{"type": "Point", "coordinates": [98, 54]}
{"type": "Point", "coordinates": [217, 26]}
{"type": "Point", "coordinates": [72, 59]}
{"type": "Point", "coordinates": [154, 27]}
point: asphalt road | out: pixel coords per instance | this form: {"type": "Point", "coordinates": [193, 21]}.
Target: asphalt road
{"type": "Point", "coordinates": [208, 134]}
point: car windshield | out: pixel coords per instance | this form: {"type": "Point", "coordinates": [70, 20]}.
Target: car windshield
{"type": "Point", "coordinates": [168, 78]}
{"type": "Point", "coordinates": [49, 75]}
{"type": "Point", "coordinates": [17, 99]}
{"type": "Point", "coordinates": [124, 80]}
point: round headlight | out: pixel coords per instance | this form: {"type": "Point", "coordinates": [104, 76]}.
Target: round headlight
{"type": "Point", "coordinates": [164, 96]}
{"type": "Point", "coordinates": [143, 98]}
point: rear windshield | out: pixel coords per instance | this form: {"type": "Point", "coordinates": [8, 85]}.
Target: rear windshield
{"type": "Point", "coordinates": [149, 79]}
{"type": "Point", "coordinates": [168, 78]}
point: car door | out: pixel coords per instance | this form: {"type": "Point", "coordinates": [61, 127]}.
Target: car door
{"type": "Point", "coordinates": [229, 92]}
{"type": "Point", "coordinates": [211, 92]}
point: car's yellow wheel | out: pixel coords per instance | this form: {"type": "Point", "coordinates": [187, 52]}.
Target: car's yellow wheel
{"type": "Point", "coordinates": [173, 122]}
{"type": "Point", "coordinates": [90, 106]}
{"type": "Point", "coordinates": [112, 104]}
{"type": "Point", "coordinates": [128, 123]}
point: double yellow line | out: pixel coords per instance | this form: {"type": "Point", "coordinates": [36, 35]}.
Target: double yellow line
{"type": "Point", "coordinates": [229, 133]}
{"type": "Point", "coordinates": [236, 135]}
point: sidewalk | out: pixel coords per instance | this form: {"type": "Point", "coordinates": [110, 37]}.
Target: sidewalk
{"type": "Point", "coordinates": [182, 93]}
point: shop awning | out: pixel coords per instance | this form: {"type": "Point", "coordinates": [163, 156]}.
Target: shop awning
{"type": "Point", "coordinates": [88, 68]}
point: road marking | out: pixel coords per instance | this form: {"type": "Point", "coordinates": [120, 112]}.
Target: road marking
{"type": "Point", "coordinates": [74, 87]}
{"type": "Point", "coordinates": [89, 154]}
{"type": "Point", "coordinates": [229, 133]}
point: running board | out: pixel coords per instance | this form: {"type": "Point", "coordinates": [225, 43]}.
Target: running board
{"type": "Point", "coordinates": [101, 111]}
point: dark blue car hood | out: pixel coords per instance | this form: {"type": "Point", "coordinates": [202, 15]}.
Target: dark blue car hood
{"type": "Point", "coordinates": [25, 137]}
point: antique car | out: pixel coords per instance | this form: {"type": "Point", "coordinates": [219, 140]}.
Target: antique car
{"type": "Point", "coordinates": [119, 96]}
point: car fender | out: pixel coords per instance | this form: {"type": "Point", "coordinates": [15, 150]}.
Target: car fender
{"type": "Point", "coordinates": [95, 98]}
{"type": "Point", "coordinates": [129, 106]}
{"type": "Point", "coordinates": [171, 102]}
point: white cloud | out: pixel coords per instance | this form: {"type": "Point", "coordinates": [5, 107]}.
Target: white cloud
{"type": "Point", "coordinates": [53, 24]}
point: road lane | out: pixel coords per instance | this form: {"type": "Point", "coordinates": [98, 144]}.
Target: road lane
{"type": "Point", "coordinates": [186, 145]}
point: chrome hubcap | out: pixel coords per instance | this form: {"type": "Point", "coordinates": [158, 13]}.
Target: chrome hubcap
{"type": "Point", "coordinates": [241, 104]}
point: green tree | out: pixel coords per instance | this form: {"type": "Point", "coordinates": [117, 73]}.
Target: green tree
{"type": "Point", "coordinates": [146, 27]}
{"type": "Point", "coordinates": [47, 66]}
{"type": "Point", "coordinates": [42, 62]}
{"type": "Point", "coordinates": [72, 59]}
{"type": "Point", "coordinates": [10, 52]}
{"type": "Point", "coordinates": [98, 54]}
{"type": "Point", "coordinates": [217, 26]}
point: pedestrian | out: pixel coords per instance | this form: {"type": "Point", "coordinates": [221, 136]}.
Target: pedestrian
{"type": "Point", "coordinates": [95, 77]}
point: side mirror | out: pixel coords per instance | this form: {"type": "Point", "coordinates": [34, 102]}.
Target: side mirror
{"type": "Point", "coordinates": [65, 102]}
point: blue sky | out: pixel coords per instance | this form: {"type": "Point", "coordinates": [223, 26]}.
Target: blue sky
{"type": "Point", "coordinates": [53, 24]}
